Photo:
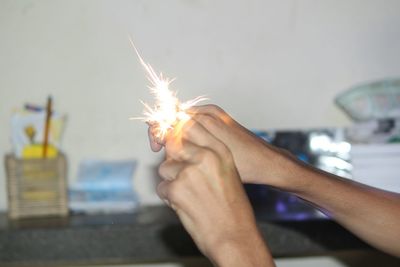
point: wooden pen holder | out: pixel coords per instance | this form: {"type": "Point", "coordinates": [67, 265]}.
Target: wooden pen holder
{"type": "Point", "coordinates": [36, 187]}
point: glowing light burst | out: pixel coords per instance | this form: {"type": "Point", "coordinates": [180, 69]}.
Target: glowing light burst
{"type": "Point", "coordinates": [167, 110]}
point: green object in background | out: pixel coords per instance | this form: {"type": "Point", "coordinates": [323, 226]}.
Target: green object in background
{"type": "Point", "coordinates": [374, 100]}
{"type": "Point", "coordinates": [394, 139]}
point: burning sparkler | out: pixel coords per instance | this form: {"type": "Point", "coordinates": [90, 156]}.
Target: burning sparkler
{"type": "Point", "coordinates": [167, 110]}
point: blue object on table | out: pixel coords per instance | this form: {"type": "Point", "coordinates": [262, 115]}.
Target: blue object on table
{"type": "Point", "coordinates": [104, 187]}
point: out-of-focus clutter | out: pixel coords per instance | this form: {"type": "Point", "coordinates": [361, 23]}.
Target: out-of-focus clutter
{"type": "Point", "coordinates": [375, 153]}
{"type": "Point", "coordinates": [375, 134]}
{"type": "Point", "coordinates": [377, 165]}
{"type": "Point", "coordinates": [36, 187]}
{"type": "Point", "coordinates": [36, 171]}
{"type": "Point", "coordinates": [36, 131]}
{"type": "Point", "coordinates": [371, 101]}
{"type": "Point", "coordinates": [103, 187]}
{"type": "Point", "coordinates": [368, 151]}
{"type": "Point", "coordinates": [326, 149]}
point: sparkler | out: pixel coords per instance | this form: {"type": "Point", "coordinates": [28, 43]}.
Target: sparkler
{"type": "Point", "coordinates": [167, 110]}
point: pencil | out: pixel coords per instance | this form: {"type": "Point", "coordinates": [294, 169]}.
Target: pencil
{"type": "Point", "coordinates": [47, 127]}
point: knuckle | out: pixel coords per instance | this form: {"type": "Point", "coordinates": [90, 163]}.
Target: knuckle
{"type": "Point", "coordinates": [221, 114]}
{"type": "Point", "coordinates": [214, 157]}
{"type": "Point", "coordinates": [162, 190]}
{"type": "Point", "coordinates": [162, 170]}
{"type": "Point", "coordinates": [216, 110]}
{"type": "Point", "coordinates": [188, 130]}
{"type": "Point", "coordinates": [207, 155]}
{"type": "Point", "coordinates": [175, 192]}
{"type": "Point", "coordinates": [186, 173]}
{"type": "Point", "coordinates": [224, 151]}
{"type": "Point", "coordinates": [207, 121]}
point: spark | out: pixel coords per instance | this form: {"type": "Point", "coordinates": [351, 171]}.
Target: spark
{"type": "Point", "coordinates": [167, 110]}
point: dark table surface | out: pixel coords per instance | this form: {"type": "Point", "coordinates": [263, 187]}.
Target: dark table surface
{"type": "Point", "coordinates": [150, 234]}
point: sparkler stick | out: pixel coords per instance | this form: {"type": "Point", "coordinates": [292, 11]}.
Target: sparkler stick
{"type": "Point", "coordinates": [167, 110]}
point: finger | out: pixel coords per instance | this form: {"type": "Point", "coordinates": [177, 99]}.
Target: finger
{"type": "Point", "coordinates": [215, 126]}
{"type": "Point", "coordinates": [182, 151]}
{"type": "Point", "coordinates": [211, 110]}
{"type": "Point", "coordinates": [206, 109]}
{"type": "Point", "coordinates": [154, 145]}
{"type": "Point", "coordinates": [174, 194]}
{"type": "Point", "coordinates": [170, 168]}
{"type": "Point", "coordinates": [195, 133]}
{"type": "Point", "coordinates": [162, 192]}
{"type": "Point", "coordinates": [178, 142]}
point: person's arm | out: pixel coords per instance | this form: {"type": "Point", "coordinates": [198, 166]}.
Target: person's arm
{"type": "Point", "coordinates": [202, 186]}
{"type": "Point", "coordinates": [371, 214]}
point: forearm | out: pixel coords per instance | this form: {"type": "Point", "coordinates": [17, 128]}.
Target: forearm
{"type": "Point", "coordinates": [370, 213]}
{"type": "Point", "coordinates": [249, 251]}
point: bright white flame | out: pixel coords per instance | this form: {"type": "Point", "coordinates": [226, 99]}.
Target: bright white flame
{"type": "Point", "coordinates": [167, 110]}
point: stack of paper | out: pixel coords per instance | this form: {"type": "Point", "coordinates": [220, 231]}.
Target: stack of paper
{"type": "Point", "coordinates": [104, 187]}
{"type": "Point", "coordinates": [377, 165]}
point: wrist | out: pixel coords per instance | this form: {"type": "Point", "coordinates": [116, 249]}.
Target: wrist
{"type": "Point", "coordinates": [300, 178]}
{"type": "Point", "coordinates": [249, 250]}
{"type": "Point", "coordinates": [283, 170]}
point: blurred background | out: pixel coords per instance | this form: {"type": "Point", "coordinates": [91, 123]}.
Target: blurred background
{"type": "Point", "coordinates": [270, 64]}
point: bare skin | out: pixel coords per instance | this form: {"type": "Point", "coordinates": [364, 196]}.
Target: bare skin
{"type": "Point", "coordinates": [370, 213]}
{"type": "Point", "coordinates": [203, 187]}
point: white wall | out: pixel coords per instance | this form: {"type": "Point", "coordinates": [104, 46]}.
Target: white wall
{"type": "Point", "coordinates": [269, 63]}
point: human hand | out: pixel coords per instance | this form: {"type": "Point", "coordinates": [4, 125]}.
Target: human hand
{"type": "Point", "coordinates": [202, 185]}
{"type": "Point", "coordinates": [256, 160]}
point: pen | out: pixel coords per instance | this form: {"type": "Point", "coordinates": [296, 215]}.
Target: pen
{"type": "Point", "coordinates": [47, 127]}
